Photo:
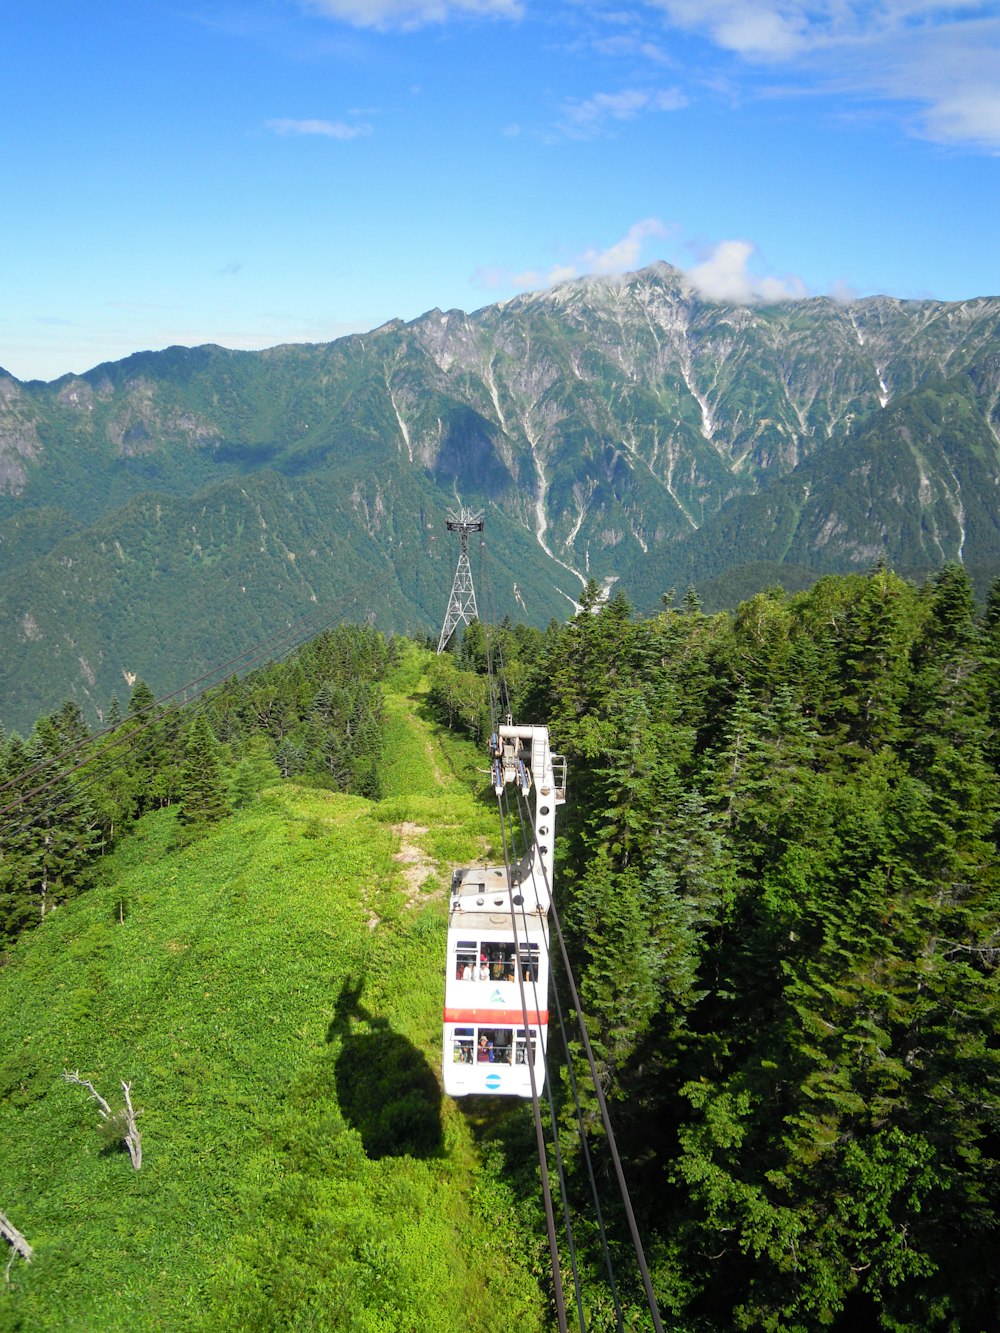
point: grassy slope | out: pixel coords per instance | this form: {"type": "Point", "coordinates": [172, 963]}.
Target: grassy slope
{"type": "Point", "coordinates": [299, 1169]}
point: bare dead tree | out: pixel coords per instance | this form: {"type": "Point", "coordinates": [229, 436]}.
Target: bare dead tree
{"type": "Point", "coordinates": [19, 1246]}
{"type": "Point", "coordinates": [116, 1125]}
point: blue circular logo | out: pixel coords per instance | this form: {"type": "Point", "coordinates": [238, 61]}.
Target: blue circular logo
{"type": "Point", "coordinates": [493, 1082]}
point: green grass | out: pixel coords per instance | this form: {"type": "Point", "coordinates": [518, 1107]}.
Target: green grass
{"type": "Point", "coordinates": [273, 994]}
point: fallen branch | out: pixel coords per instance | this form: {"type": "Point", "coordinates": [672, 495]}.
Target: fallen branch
{"type": "Point", "coordinates": [20, 1245]}
{"type": "Point", "coordinates": [116, 1125]}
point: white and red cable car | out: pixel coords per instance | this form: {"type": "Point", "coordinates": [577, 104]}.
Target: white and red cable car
{"type": "Point", "coordinates": [497, 970]}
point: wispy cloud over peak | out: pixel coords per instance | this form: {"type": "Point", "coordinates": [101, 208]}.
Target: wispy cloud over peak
{"type": "Point", "coordinates": [324, 129]}
{"type": "Point", "coordinates": [387, 15]}
{"type": "Point", "coordinates": [625, 254]}
{"type": "Point", "coordinates": [725, 276]}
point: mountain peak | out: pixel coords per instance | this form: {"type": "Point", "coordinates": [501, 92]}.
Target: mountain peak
{"type": "Point", "coordinates": [617, 428]}
{"type": "Point", "coordinates": [659, 275]}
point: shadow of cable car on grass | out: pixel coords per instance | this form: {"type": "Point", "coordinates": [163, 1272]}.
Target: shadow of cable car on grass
{"type": "Point", "coordinates": [386, 1089]}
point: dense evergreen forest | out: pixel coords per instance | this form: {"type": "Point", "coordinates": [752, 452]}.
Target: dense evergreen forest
{"type": "Point", "coordinates": [65, 799]}
{"type": "Point", "coordinates": [778, 867]}
{"type": "Point", "coordinates": [778, 872]}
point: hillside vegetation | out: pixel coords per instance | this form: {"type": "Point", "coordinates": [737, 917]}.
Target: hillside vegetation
{"type": "Point", "coordinates": [777, 874]}
{"type": "Point", "coordinates": [272, 992]}
{"type": "Point", "coordinates": [779, 880]}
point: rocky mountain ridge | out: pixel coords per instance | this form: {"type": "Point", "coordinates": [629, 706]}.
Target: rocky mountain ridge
{"type": "Point", "coordinates": [621, 429]}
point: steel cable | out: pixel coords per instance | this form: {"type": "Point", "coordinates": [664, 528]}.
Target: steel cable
{"type": "Point", "coordinates": [557, 1149]}
{"type": "Point", "coordinates": [585, 1145]}
{"type": "Point", "coordinates": [647, 1280]}
{"type": "Point", "coordinates": [529, 1053]}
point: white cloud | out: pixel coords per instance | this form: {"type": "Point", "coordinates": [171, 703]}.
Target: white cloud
{"type": "Point", "coordinates": [725, 276]}
{"type": "Point", "coordinates": [940, 56]}
{"type": "Point", "coordinates": [492, 277]}
{"type": "Point", "coordinates": [754, 28]}
{"type": "Point", "coordinates": [843, 292]}
{"type": "Point", "coordinates": [952, 73]}
{"type": "Point", "coordinates": [625, 254]}
{"type": "Point", "coordinates": [326, 129]}
{"type": "Point", "coordinates": [627, 45]}
{"type": "Point", "coordinates": [533, 279]}
{"type": "Point", "coordinates": [386, 15]}
{"type": "Point", "coordinates": [969, 117]}
{"type": "Point", "coordinates": [591, 117]}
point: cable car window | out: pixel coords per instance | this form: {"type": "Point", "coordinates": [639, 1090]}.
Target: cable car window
{"type": "Point", "coordinates": [464, 1040]}
{"type": "Point", "coordinates": [500, 958]}
{"type": "Point", "coordinates": [485, 1049]}
{"type": "Point", "coordinates": [496, 960]}
{"type": "Point", "coordinates": [466, 958]}
{"type": "Point", "coordinates": [529, 962]}
{"type": "Point", "coordinates": [503, 1045]}
{"type": "Point", "coordinates": [520, 1045]}
{"type": "Point", "coordinates": [494, 1045]}
{"type": "Point", "coordinates": [494, 955]}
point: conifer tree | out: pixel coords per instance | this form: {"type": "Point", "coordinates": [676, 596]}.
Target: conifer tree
{"type": "Point", "coordinates": [255, 770]}
{"type": "Point", "coordinates": [69, 724]}
{"type": "Point", "coordinates": [49, 836]}
{"type": "Point", "coordinates": [875, 666]}
{"type": "Point", "coordinates": [114, 716]}
{"type": "Point", "coordinates": [203, 797]}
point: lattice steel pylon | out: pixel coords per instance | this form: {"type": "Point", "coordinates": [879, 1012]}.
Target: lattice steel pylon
{"type": "Point", "coordinates": [462, 603]}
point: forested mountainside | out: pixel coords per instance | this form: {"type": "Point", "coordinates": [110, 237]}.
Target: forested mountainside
{"type": "Point", "coordinates": [268, 982]}
{"type": "Point", "coordinates": [777, 872]}
{"type": "Point", "coordinates": [166, 508]}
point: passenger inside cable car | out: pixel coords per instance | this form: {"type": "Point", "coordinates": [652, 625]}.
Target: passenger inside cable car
{"type": "Point", "coordinates": [491, 960]}
{"type": "Point", "coordinates": [490, 1045]}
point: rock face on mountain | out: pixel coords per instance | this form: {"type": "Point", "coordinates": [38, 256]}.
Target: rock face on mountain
{"type": "Point", "coordinates": [159, 513]}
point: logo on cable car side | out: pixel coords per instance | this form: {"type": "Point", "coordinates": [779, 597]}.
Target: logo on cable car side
{"type": "Point", "coordinates": [497, 996]}
{"type": "Point", "coordinates": [493, 1082]}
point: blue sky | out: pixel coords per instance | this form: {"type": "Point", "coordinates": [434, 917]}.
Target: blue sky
{"type": "Point", "coordinates": [254, 172]}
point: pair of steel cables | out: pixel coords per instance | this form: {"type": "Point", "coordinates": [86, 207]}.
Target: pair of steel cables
{"type": "Point", "coordinates": [520, 822]}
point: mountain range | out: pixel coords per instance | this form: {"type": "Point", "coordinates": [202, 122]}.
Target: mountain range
{"type": "Point", "coordinates": [162, 513]}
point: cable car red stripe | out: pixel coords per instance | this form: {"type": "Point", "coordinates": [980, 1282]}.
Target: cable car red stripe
{"type": "Point", "coordinates": [515, 1017]}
